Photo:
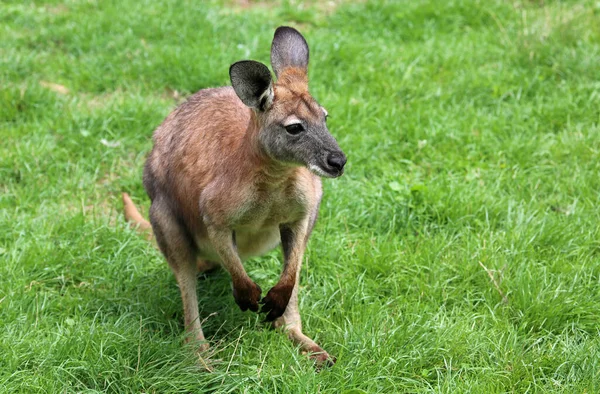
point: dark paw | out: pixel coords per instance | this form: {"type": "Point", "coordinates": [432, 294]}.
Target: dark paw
{"type": "Point", "coordinates": [276, 301]}
{"type": "Point", "coordinates": [247, 295]}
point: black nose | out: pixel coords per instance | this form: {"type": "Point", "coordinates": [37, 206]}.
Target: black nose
{"type": "Point", "coordinates": [336, 160]}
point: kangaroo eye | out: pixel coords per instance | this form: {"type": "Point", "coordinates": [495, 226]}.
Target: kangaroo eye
{"type": "Point", "coordinates": [294, 128]}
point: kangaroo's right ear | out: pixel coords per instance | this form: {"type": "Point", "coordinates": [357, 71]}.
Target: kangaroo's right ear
{"type": "Point", "coordinates": [252, 83]}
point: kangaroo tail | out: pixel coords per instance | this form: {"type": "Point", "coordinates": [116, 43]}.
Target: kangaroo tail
{"type": "Point", "coordinates": [133, 216]}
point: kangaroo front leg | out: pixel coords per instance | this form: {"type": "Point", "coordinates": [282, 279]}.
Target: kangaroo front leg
{"type": "Point", "coordinates": [245, 292]}
{"type": "Point", "coordinates": [293, 242]}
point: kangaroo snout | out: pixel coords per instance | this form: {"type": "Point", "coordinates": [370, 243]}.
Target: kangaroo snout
{"type": "Point", "coordinates": [336, 162]}
{"type": "Point", "coordinates": [329, 165]}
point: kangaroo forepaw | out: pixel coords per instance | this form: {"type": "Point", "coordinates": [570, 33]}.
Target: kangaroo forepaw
{"type": "Point", "coordinates": [247, 295]}
{"type": "Point", "coordinates": [276, 301]}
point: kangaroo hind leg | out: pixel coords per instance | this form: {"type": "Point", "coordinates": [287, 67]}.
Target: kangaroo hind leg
{"type": "Point", "coordinates": [179, 250]}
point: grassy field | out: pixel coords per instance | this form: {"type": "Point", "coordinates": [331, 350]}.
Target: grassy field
{"type": "Point", "coordinates": [459, 253]}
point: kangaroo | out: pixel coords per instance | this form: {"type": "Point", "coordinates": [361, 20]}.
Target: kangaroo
{"type": "Point", "coordinates": [234, 172]}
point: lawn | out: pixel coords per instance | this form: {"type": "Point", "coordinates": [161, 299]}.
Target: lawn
{"type": "Point", "coordinates": [460, 252]}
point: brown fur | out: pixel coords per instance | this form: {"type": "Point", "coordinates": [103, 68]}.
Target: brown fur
{"type": "Point", "coordinates": [218, 196]}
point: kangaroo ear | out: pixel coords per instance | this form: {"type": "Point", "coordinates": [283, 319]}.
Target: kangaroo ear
{"type": "Point", "coordinates": [252, 83]}
{"type": "Point", "coordinates": [289, 49]}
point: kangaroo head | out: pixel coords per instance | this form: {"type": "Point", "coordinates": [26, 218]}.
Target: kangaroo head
{"type": "Point", "coordinates": [292, 125]}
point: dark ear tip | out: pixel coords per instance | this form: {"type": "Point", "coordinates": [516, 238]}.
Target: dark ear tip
{"type": "Point", "coordinates": [282, 30]}
{"type": "Point", "coordinates": [249, 67]}
{"type": "Point", "coordinates": [238, 64]}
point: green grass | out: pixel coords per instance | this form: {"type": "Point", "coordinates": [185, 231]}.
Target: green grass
{"type": "Point", "coordinates": [472, 132]}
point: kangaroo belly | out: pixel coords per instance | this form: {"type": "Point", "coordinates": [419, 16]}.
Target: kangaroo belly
{"type": "Point", "coordinates": [257, 242]}
{"type": "Point", "coordinates": [254, 242]}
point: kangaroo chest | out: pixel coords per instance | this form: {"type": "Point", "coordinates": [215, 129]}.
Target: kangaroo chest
{"type": "Point", "coordinates": [270, 208]}
{"type": "Point", "coordinates": [257, 229]}
{"type": "Point", "coordinates": [255, 216]}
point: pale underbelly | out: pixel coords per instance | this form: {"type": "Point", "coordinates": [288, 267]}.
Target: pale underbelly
{"type": "Point", "coordinates": [249, 243]}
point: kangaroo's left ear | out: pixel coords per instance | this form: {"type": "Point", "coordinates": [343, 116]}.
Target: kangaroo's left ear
{"type": "Point", "coordinates": [252, 83]}
{"type": "Point", "coordinates": [289, 49]}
